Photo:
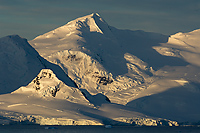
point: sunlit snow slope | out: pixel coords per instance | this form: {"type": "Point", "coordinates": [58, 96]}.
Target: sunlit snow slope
{"type": "Point", "coordinates": [184, 46]}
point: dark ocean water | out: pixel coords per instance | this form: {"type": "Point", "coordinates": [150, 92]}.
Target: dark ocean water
{"type": "Point", "coordinates": [94, 129]}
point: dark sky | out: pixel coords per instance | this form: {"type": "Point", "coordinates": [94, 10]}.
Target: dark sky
{"type": "Point", "coordinates": [30, 18]}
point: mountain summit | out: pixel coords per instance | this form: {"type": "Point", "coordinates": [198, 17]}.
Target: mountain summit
{"type": "Point", "coordinates": [73, 35]}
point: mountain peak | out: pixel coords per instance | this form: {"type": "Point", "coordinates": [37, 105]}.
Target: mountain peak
{"type": "Point", "coordinates": [183, 39]}
{"type": "Point", "coordinates": [90, 16]}
{"type": "Point", "coordinates": [13, 38]}
{"type": "Point", "coordinates": [93, 23]}
{"type": "Point", "coordinates": [96, 14]}
{"type": "Point", "coordinates": [82, 25]}
{"type": "Point", "coordinates": [45, 83]}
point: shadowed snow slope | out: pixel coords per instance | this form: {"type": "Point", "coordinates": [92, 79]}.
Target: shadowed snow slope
{"type": "Point", "coordinates": [116, 76]}
{"type": "Point", "coordinates": [20, 63]}
{"type": "Point", "coordinates": [180, 103]}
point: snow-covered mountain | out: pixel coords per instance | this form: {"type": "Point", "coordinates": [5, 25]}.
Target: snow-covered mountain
{"type": "Point", "coordinates": [88, 72]}
{"type": "Point", "coordinates": [99, 58]}
{"type": "Point", "coordinates": [184, 46]}
{"type": "Point", "coordinates": [20, 63]}
{"type": "Point", "coordinates": [47, 85]}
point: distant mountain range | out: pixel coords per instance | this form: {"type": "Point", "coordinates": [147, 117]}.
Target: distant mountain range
{"type": "Point", "coordinates": [87, 72]}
